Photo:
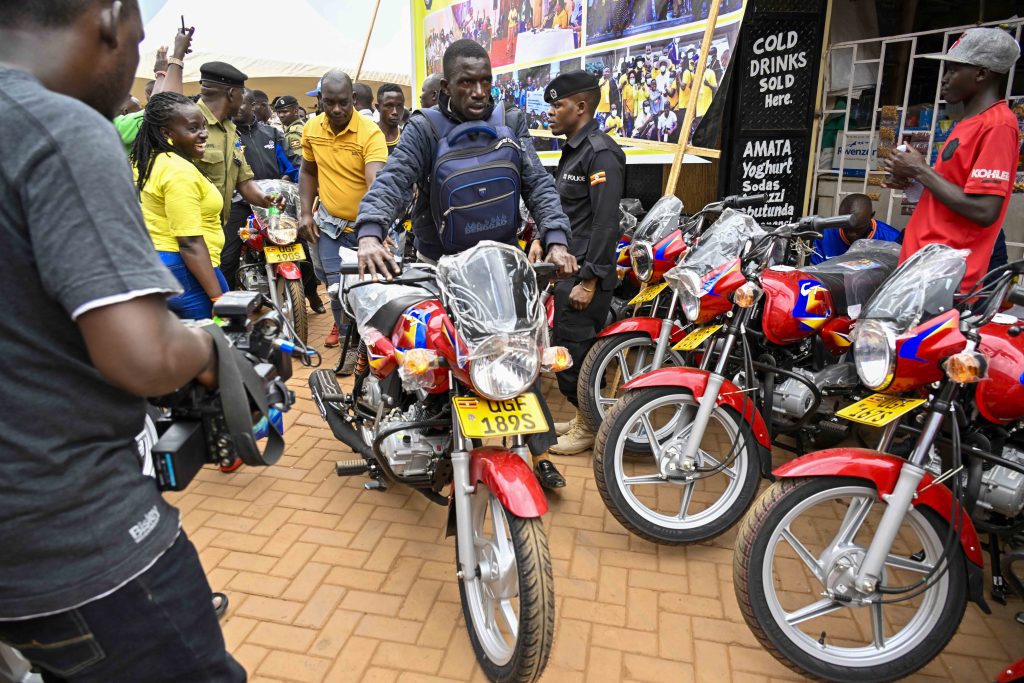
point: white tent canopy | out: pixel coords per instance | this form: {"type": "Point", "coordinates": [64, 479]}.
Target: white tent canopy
{"type": "Point", "coordinates": [284, 38]}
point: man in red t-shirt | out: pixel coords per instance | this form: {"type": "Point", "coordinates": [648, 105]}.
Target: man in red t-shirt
{"type": "Point", "coordinates": [965, 196]}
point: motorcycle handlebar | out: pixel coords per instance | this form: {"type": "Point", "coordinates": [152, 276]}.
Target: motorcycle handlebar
{"type": "Point", "coordinates": [1016, 295]}
{"type": "Point", "coordinates": [820, 223]}
{"type": "Point", "coordinates": [737, 201]}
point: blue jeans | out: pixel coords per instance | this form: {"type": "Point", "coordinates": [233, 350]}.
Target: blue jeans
{"type": "Point", "coordinates": [193, 303]}
{"type": "Point", "coordinates": [329, 266]}
{"type": "Point", "coordinates": [159, 626]}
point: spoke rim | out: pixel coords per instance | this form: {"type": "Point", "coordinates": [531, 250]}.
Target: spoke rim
{"type": "Point", "coordinates": [490, 598]}
{"type": "Point", "coordinates": [678, 519]}
{"type": "Point", "coordinates": [880, 648]}
{"type": "Point", "coordinates": [619, 354]}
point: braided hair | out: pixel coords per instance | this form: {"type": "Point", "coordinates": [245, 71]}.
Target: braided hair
{"type": "Point", "coordinates": [150, 142]}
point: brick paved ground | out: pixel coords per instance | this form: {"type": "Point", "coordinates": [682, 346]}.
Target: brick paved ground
{"type": "Point", "coordinates": [332, 583]}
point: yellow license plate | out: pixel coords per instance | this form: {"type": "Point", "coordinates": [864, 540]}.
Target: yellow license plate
{"type": "Point", "coordinates": [879, 410]}
{"type": "Point", "coordinates": [647, 294]}
{"type": "Point", "coordinates": [481, 418]}
{"type": "Point", "coordinates": [293, 252]}
{"type": "Point", "coordinates": [696, 338]}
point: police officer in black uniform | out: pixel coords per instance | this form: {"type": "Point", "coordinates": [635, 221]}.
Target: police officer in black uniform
{"type": "Point", "coordinates": [590, 179]}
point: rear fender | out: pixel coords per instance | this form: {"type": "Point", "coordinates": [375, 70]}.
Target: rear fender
{"type": "Point", "coordinates": [883, 471]}
{"type": "Point", "coordinates": [288, 270]}
{"type": "Point", "coordinates": [649, 326]}
{"type": "Point", "coordinates": [510, 479]}
{"type": "Point", "coordinates": [730, 395]}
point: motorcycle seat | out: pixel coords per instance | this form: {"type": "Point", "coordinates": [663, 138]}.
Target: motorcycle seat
{"type": "Point", "coordinates": [387, 315]}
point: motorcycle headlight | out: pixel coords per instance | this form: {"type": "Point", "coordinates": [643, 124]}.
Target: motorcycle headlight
{"type": "Point", "coordinates": [641, 256]}
{"type": "Point", "coordinates": [504, 366]}
{"type": "Point", "coordinates": [284, 231]}
{"type": "Point", "coordinates": [874, 352]}
{"type": "Point", "coordinates": [688, 287]}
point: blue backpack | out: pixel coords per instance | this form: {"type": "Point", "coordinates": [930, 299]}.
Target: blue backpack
{"type": "Point", "coordinates": [475, 180]}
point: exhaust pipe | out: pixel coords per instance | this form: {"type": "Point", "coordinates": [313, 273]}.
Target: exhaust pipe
{"type": "Point", "coordinates": [326, 394]}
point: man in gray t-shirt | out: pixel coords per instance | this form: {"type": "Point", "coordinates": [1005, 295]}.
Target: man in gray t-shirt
{"type": "Point", "coordinates": [97, 581]}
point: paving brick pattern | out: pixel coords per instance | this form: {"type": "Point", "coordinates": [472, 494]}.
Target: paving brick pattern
{"type": "Point", "coordinates": [329, 582]}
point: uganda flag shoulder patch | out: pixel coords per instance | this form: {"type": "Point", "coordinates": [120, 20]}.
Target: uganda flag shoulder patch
{"type": "Point", "coordinates": [597, 178]}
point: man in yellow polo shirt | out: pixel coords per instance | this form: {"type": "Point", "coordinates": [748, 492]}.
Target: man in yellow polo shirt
{"type": "Point", "coordinates": [342, 151]}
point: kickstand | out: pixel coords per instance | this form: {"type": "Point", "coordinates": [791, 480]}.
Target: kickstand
{"type": "Point", "coordinates": [344, 349]}
{"type": "Point", "coordinates": [998, 582]}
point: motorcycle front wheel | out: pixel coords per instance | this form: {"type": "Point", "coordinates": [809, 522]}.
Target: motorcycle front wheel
{"type": "Point", "coordinates": [797, 553]}
{"type": "Point", "coordinates": [510, 607]}
{"type": "Point", "coordinates": [612, 362]}
{"type": "Point", "coordinates": [293, 305]}
{"type": "Point", "coordinates": [688, 506]}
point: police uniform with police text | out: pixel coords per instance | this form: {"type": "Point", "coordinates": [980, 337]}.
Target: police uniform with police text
{"type": "Point", "coordinates": [590, 181]}
{"type": "Point", "coordinates": [224, 162]}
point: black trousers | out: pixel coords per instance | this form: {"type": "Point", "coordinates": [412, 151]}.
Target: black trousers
{"type": "Point", "coordinates": [577, 331]}
{"type": "Point", "coordinates": [231, 254]}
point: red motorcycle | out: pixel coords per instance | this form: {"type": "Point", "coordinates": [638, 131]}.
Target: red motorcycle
{"type": "Point", "coordinates": [764, 371]}
{"type": "Point", "coordinates": [856, 564]}
{"type": "Point", "coordinates": [449, 357]}
{"type": "Point", "coordinates": [634, 345]}
{"type": "Point", "coordinates": [270, 251]}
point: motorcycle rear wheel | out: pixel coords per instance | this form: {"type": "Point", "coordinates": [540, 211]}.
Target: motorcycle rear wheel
{"type": "Point", "coordinates": [293, 305]}
{"type": "Point", "coordinates": [674, 511]}
{"type": "Point", "coordinates": [843, 641]}
{"type": "Point", "coordinates": [510, 608]}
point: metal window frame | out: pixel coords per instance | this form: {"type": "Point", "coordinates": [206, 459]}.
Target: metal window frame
{"type": "Point", "coordinates": [842, 183]}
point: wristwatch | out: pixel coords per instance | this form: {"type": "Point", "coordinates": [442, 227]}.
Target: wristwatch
{"type": "Point", "coordinates": [176, 61]}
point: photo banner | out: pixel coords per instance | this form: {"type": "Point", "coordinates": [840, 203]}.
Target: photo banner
{"type": "Point", "coordinates": [644, 52]}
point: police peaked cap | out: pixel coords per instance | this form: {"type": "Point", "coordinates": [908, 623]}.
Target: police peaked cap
{"type": "Point", "coordinates": [570, 83]}
{"type": "Point", "coordinates": [285, 101]}
{"type": "Point", "coordinates": [222, 74]}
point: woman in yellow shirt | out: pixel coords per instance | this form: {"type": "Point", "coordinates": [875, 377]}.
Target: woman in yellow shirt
{"type": "Point", "coordinates": [180, 206]}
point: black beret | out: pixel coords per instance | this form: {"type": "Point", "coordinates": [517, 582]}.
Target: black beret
{"type": "Point", "coordinates": [570, 83]}
{"type": "Point", "coordinates": [223, 74]}
{"type": "Point", "coordinates": [285, 101]}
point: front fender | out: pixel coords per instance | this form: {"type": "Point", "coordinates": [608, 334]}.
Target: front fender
{"type": "Point", "coordinates": [649, 326]}
{"type": "Point", "coordinates": [884, 470]}
{"type": "Point", "coordinates": [288, 270]}
{"type": "Point", "coordinates": [697, 382]}
{"type": "Point", "coordinates": [510, 479]}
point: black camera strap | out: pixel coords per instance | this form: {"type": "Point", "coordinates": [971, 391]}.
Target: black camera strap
{"type": "Point", "coordinates": [240, 390]}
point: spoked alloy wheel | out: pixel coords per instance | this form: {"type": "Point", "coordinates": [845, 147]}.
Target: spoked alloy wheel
{"type": "Point", "coordinates": [293, 305]}
{"type": "Point", "coordinates": [680, 507]}
{"type": "Point", "coordinates": [510, 609]}
{"type": "Point", "coordinates": [612, 362]}
{"type": "Point", "coordinates": [796, 556]}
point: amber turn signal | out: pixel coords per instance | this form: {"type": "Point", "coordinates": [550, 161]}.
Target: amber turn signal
{"type": "Point", "coordinates": [418, 362]}
{"type": "Point", "coordinates": [556, 359]}
{"type": "Point", "coordinates": [245, 233]}
{"type": "Point", "coordinates": [966, 367]}
{"type": "Point", "coordinates": [746, 296]}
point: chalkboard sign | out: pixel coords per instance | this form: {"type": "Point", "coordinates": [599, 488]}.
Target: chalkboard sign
{"type": "Point", "coordinates": [770, 165]}
{"type": "Point", "coordinates": [777, 84]}
{"type": "Point", "coordinates": [773, 101]}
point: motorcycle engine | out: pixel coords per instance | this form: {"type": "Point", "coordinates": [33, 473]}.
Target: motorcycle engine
{"type": "Point", "coordinates": [411, 452]}
{"type": "Point", "coordinates": [1002, 489]}
{"type": "Point", "coordinates": [793, 398]}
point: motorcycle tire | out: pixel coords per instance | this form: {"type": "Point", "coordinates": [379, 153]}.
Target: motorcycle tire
{"type": "Point", "coordinates": [652, 525]}
{"type": "Point", "coordinates": [755, 546]}
{"type": "Point", "coordinates": [596, 364]}
{"type": "Point", "coordinates": [293, 301]}
{"type": "Point", "coordinates": [536, 595]}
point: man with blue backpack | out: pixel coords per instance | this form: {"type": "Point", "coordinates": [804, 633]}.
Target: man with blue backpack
{"type": "Point", "coordinates": [465, 148]}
